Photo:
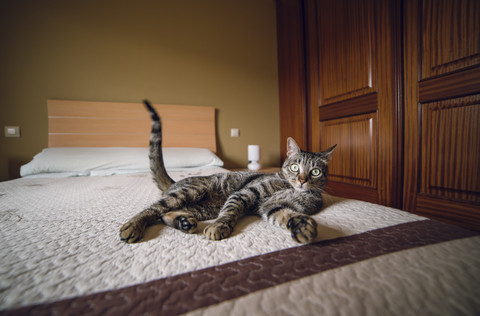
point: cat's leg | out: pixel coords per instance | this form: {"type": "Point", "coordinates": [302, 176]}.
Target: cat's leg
{"type": "Point", "coordinates": [186, 219]}
{"type": "Point", "coordinates": [133, 230]}
{"type": "Point", "coordinates": [175, 199]}
{"type": "Point", "coordinates": [232, 210]}
{"type": "Point", "coordinates": [302, 227]}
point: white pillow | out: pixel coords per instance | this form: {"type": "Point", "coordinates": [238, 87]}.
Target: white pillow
{"type": "Point", "coordinates": [83, 161]}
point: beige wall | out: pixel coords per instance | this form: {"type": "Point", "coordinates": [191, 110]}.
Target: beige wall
{"type": "Point", "coordinates": [218, 53]}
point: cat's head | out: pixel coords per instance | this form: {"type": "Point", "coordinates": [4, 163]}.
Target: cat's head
{"type": "Point", "coordinates": [306, 170]}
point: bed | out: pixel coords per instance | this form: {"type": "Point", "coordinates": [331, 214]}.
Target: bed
{"type": "Point", "coordinates": [61, 253]}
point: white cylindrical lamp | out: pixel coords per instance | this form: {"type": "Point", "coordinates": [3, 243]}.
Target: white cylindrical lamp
{"type": "Point", "coordinates": [253, 157]}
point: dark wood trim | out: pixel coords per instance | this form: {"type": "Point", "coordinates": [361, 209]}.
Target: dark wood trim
{"type": "Point", "coordinates": [352, 191]}
{"type": "Point", "coordinates": [359, 105]}
{"type": "Point", "coordinates": [456, 84]}
{"type": "Point", "coordinates": [398, 106]}
{"type": "Point", "coordinates": [462, 214]}
{"type": "Point", "coordinates": [291, 73]}
{"type": "Point", "coordinates": [411, 111]}
{"type": "Point", "coordinates": [313, 76]}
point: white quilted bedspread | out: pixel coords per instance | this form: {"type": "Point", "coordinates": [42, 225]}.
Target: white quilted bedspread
{"type": "Point", "coordinates": [60, 237]}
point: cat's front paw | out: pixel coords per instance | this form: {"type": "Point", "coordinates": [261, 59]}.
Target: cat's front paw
{"type": "Point", "coordinates": [217, 231]}
{"type": "Point", "coordinates": [303, 229]}
{"type": "Point", "coordinates": [132, 231]}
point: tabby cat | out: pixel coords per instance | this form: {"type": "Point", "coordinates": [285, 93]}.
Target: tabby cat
{"type": "Point", "coordinates": [285, 199]}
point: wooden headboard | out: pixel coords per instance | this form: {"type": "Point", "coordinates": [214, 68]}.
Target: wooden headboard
{"type": "Point", "coordinates": [113, 124]}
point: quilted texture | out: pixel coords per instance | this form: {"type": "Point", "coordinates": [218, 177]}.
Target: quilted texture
{"type": "Point", "coordinates": [412, 282]}
{"type": "Point", "coordinates": [60, 236]}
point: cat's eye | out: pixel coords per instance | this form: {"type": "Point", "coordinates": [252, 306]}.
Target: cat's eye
{"type": "Point", "coordinates": [294, 168]}
{"type": "Point", "coordinates": [315, 172]}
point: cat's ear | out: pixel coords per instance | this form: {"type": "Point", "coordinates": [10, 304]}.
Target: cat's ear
{"type": "Point", "coordinates": [328, 152]}
{"type": "Point", "coordinates": [292, 147]}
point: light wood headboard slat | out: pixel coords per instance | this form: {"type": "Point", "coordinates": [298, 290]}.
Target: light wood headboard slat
{"type": "Point", "coordinates": [83, 140]}
{"type": "Point", "coordinates": [134, 126]}
{"type": "Point", "coordinates": [68, 108]}
{"type": "Point", "coordinates": [111, 124]}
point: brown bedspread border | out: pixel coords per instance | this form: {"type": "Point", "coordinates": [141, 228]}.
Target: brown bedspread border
{"type": "Point", "coordinates": [189, 291]}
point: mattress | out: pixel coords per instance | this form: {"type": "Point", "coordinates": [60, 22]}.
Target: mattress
{"type": "Point", "coordinates": [61, 254]}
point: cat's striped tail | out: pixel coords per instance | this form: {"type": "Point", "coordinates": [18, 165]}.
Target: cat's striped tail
{"type": "Point", "coordinates": [157, 166]}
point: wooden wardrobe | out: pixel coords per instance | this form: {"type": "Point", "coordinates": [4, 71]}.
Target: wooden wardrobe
{"type": "Point", "coordinates": [396, 84]}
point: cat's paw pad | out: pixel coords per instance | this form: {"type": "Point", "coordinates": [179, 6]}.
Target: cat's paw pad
{"type": "Point", "coordinates": [132, 232]}
{"type": "Point", "coordinates": [187, 224]}
{"type": "Point", "coordinates": [217, 231]}
{"type": "Point", "coordinates": [303, 229]}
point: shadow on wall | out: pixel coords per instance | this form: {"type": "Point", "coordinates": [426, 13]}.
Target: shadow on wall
{"type": "Point", "coordinates": [14, 164]}
{"type": "Point", "coordinates": [227, 162]}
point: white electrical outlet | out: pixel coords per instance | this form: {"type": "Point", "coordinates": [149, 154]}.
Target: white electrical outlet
{"type": "Point", "coordinates": [235, 132]}
{"type": "Point", "coordinates": [12, 131]}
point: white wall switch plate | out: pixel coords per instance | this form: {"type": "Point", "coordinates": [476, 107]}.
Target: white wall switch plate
{"type": "Point", "coordinates": [12, 131]}
{"type": "Point", "coordinates": [235, 132]}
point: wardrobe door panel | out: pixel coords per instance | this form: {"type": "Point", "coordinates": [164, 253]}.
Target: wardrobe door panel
{"type": "Point", "coordinates": [353, 91]}
{"type": "Point", "coordinates": [450, 36]}
{"type": "Point", "coordinates": [450, 149]}
{"type": "Point", "coordinates": [355, 154]}
{"type": "Point", "coordinates": [442, 110]}
{"type": "Point", "coordinates": [347, 51]}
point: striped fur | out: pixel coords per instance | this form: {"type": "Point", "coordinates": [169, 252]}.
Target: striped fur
{"type": "Point", "coordinates": [285, 199]}
{"type": "Point", "coordinates": [160, 175]}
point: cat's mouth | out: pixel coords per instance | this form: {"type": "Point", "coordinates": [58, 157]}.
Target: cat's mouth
{"type": "Point", "coordinates": [301, 186]}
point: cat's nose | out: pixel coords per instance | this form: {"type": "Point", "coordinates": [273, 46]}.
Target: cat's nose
{"type": "Point", "coordinates": [302, 180]}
